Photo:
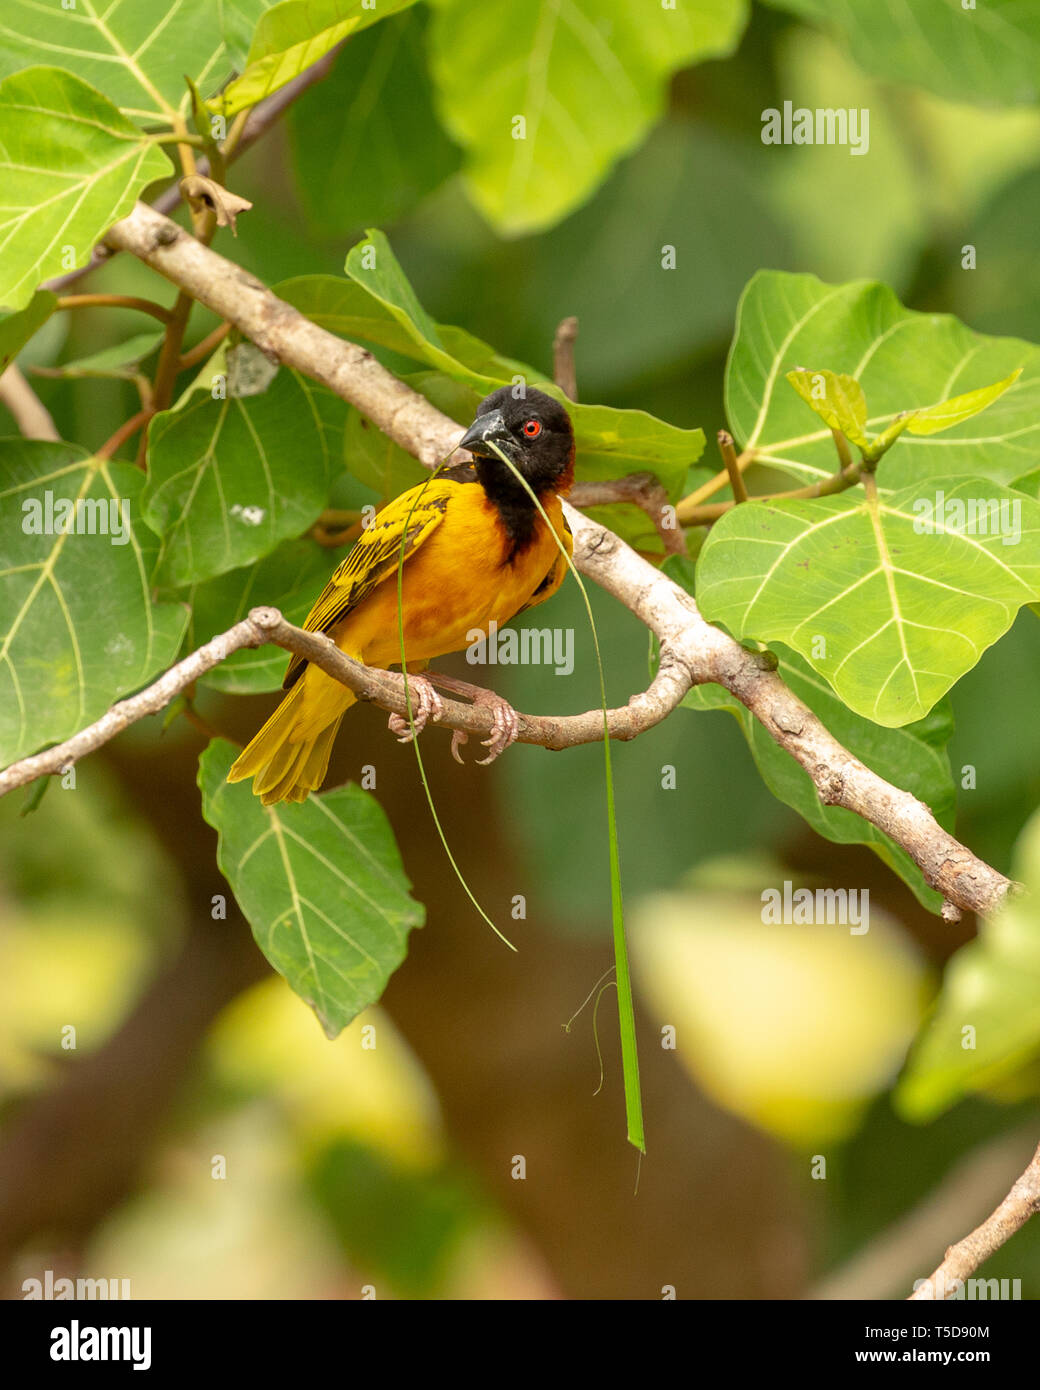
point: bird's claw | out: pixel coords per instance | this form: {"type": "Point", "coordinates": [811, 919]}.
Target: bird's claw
{"type": "Point", "coordinates": [426, 705]}
{"type": "Point", "coordinates": [504, 729]}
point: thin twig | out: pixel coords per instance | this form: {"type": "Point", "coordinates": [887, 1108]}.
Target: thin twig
{"type": "Point", "coordinates": [30, 414]}
{"type": "Point", "coordinates": [891, 1259]}
{"type": "Point", "coordinates": [564, 373]}
{"type": "Point", "coordinates": [125, 431]}
{"type": "Point", "coordinates": [729, 458]}
{"type": "Point", "coordinates": [115, 301]}
{"type": "Point", "coordinates": [203, 348]}
{"type": "Point", "coordinates": [688, 505]}
{"type": "Point", "coordinates": [642, 490]}
{"type": "Point", "coordinates": [964, 1258]}
{"type": "Point", "coordinates": [710, 512]}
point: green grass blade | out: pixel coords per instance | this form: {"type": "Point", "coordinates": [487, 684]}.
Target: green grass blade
{"type": "Point", "coordinates": [626, 1008]}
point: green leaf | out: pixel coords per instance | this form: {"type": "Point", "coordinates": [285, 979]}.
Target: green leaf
{"type": "Point", "coordinates": [890, 599]}
{"type": "Point", "coordinates": [79, 628]}
{"type": "Point", "coordinates": [587, 79]}
{"type": "Point", "coordinates": [913, 758]}
{"type": "Point", "coordinates": [350, 309]}
{"type": "Point", "coordinates": [134, 52]}
{"type": "Point", "coordinates": [368, 147]}
{"type": "Point", "coordinates": [320, 883]}
{"type": "Point", "coordinates": [238, 21]}
{"type": "Point", "coordinates": [70, 166]}
{"type": "Point", "coordinates": [948, 413]}
{"type": "Point", "coordinates": [121, 361]}
{"type": "Point", "coordinates": [289, 579]}
{"type": "Point", "coordinates": [610, 443]}
{"type": "Point", "coordinates": [17, 329]}
{"type": "Point", "coordinates": [229, 479]}
{"type": "Point", "coordinates": [990, 55]}
{"type": "Point", "coordinates": [380, 307]}
{"type": "Point", "coordinates": [902, 360]}
{"type": "Point", "coordinates": [292, 36]}
{"type": "Point", "coordinates": [375, 460]}
{"type": "Point", "coordinates": [991, 986]}
{"type": "Point", "coordinates": [836, 398]}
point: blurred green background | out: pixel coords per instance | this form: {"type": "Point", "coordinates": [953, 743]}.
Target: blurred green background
{"type": "Point", "coordinates": [393, 1168]}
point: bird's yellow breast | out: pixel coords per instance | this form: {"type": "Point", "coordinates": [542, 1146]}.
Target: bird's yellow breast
{"type": "Point", "coordinates": [457, 582]}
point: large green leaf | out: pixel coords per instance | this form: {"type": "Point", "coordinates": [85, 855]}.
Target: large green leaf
{"type": "Point", "coordinates": [986, 1021]}
{"type": "Point", "coordinates": [229, 479]}
{"type": "Point", "coordinates": [121, 361]}
{"type": "Point", "coordinates": [901, 359]}
{"type": "Point", "coordinates": [238, 21]}
{"type": "Point", "coordinates": [321, 884]}
{"type": "Point", "coordinates": [293, 36]}
{"type": "Point", "coordinates": [349, 308]}
{"type": "Point", "coordinates": [78, 627]}
{"type": "Point", "coordinates": [289, 579]}
{"type": "Point", "coordinates": [134, 51]}
{"type": "Point", "coordinates": [17, 329]}
{"type": "Point", "coordinates": [913, 758]}
{"type": "Point", "coordinates": [892, 598]}
{"type": "Point", "coordinates": [367, 147]}
{"type": "Point", "coordinates": [586, 77]}
{"type": "Point", "coordinates": [989, 53]}
{"type": "Point", "coordinates": [70, 166]}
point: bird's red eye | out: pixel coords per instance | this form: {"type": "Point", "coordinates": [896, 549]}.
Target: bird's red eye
{"type": "Point", "coordinates": [532, 428]}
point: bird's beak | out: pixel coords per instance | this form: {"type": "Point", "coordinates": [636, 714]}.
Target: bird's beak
{"type": "Point", "coordinates": [484, 430]}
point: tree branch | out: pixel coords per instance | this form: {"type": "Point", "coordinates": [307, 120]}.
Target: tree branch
{"type": "Point", "coordinates": [964, 1258]}
{"type": "Point", "coordinates": [642, 490]}
{"type": "Point", "coordinates": [384, 688]}
{"type": "Point", "coordinates": [692, 650]}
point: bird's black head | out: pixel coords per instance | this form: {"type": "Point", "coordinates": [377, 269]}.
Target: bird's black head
{"type": "Point", "coordinates": [532, 430]}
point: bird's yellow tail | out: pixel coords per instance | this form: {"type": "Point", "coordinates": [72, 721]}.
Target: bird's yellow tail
{"type": "Point", "coordinates": [289, 757]}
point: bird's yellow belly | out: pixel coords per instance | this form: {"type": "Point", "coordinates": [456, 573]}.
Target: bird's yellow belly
{"type": "Point", "coordinates": [454, 585]}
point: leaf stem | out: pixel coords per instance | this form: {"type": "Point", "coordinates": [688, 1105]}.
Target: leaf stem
{"type": "Point", "coordinates": [123, 433]}
{"type": "Point", "coordinates": [827, 487]}
{"type": "Point", "coordinates": [177, 137]}
{"type": "Point", "coordinates": [729, 458]}
{"type": "Point", "coordinates": [842, 446]}
{"type": "Point", "coordinates": [115, 301]}
{"type": "Point", "coordinates": [202, 349]}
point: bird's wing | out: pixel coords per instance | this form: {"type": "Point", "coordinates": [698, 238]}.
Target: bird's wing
{"type": "Point", "coordinates": [375, 557]}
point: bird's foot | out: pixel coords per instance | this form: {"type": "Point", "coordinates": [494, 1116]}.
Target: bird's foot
{"type": "Point", "coordinates": [426, 705]}
{"type": "Point", "coordinates": [504, 729]}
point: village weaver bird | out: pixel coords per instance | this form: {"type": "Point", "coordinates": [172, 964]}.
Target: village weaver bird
{"type": "Point", "coordinates": [476, 550]}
